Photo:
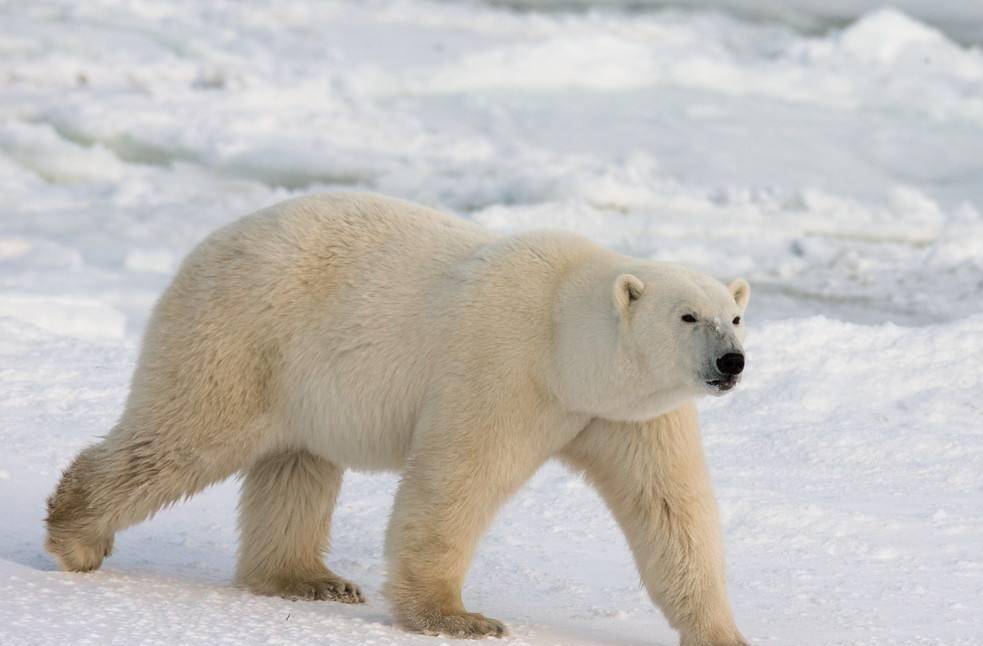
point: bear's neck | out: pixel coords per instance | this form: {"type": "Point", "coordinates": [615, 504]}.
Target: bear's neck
{"type": "Point", "coordinates": [588, 364]}
{"type": "Point", "coordinates": [593, 371]}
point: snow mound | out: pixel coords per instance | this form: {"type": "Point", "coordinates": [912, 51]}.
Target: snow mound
{"type": "Point", "coordinates": [885, 34]}
{"type": "Point", "coordinates": [73, 316]}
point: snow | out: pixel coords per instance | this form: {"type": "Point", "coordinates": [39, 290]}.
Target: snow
{"type": "Point", "coordinates": [838, 170]}
{"type": "Point", "coordinates": [961, 19]}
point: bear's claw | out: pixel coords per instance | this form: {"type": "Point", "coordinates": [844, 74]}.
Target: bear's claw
{"type": "Point", "coordinates": [467, 625]}
{"type": "Point", "coordinates": [328, 588]}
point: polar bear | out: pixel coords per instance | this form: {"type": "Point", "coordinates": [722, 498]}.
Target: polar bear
{"type": "Point", "coordinates": [352, 331]}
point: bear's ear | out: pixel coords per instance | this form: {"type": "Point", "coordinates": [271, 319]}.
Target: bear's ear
{"type": "Point", "coordinates": [627, 290]}
{"type": "Point", "coordinates": [741, 292]}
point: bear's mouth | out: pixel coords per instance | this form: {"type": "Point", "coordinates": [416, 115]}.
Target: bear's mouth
{"type": "Point", "coordinates": [724, 384]}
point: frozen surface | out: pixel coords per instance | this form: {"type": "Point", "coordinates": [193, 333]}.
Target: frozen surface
{"type": "Point", "coordinates": [842, 173]}
{"type": "Point", "coordinates": [962, 19]}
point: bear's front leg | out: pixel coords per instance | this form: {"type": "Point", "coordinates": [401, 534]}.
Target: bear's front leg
{"type": "Point", "coordinates": [653, 477]}
{"type": "Point", "coordinates": [461, 470]}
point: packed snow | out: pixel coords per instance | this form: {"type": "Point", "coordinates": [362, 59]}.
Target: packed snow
{"type": "Point", "coordinates": [840, 171]}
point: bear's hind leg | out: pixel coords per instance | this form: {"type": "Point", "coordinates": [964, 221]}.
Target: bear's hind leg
{"type": "Point", "coordinates": [119, 482]}
{"type": "Point", "coordinates": [285, 518]}
{"type": "Point", "coordinates": [75, 537]}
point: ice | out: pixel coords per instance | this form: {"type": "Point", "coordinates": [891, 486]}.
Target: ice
{"type": "Point", "coordinates": [73, 316]}
{"type": "Point", "coordinates": [831, 152]}
{"type": "Point", "coordinates": [962, 20]}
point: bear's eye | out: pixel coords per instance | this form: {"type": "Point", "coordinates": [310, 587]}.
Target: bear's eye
{"type": "Point", "coordinates": [737, 320]}
{"type": "Point", "coordinates": [689, 318]}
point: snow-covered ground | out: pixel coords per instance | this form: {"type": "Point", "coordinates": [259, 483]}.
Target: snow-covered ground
{"type": "Point", "coordinates": [841, 172]}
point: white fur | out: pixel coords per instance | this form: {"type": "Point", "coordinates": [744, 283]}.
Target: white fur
{"type": "Point", "coordinates": [355, 331]}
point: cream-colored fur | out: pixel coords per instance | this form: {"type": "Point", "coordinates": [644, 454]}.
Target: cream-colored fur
{"type": "Point", "coordinates": [653, 478]}
{"type": "Point", "coordinates": [354, 331]}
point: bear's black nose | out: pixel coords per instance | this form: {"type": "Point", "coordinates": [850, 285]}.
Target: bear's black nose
{"type": "Point", "coordinates": [731, 363]}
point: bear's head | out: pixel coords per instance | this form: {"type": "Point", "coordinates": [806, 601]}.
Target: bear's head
{"type": "Point", "coordinates": [663, 335]}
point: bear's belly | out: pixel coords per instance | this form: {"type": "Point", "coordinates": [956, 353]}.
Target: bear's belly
{"type": "Point", "coordinates": [357, 430]}
{"type": "Point", "coordinates": [357, 409]}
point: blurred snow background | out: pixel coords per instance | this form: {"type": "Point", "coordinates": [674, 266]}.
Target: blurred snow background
{"type": "Point", "coordinates": [831, 152]}
{"type": "Point", "coordinates": [960, 19]}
